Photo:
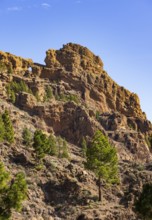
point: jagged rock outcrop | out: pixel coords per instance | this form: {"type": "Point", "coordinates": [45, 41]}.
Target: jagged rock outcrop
{"type": "Point", "coordinates": [13, 63]}
{"type": "Point", "coordinates": [72, 57]}
{"type": "Point", "coordinates": [72, 97]}
{"type": "Point", "coordinates": [95, 86]}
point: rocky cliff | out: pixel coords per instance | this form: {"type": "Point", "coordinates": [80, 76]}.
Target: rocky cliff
{"type": "Point", "coordinates": [72, 97]}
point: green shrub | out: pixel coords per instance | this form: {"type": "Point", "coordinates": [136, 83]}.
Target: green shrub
{"type": "Point", "coordinates": [12, 193]}
{"type": "Point", "coordinates": [4, 178]}
{"type": "Point", "coordinates": [144, 204]}
{"type": "Point", "coordinates": [9, 131]}
{"type": "Point", "coordinates": [27, 137]}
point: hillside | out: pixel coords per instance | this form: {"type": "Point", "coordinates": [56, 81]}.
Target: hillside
{"type": "Point", "coordinates": [70, 98]}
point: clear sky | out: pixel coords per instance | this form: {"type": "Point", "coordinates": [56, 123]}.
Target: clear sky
{"type": "Point", "coordinates": [119, 31]}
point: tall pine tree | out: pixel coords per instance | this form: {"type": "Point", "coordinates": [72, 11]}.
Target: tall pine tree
{"type": "Point", "coordinates": [102, 159]}
{"type": "Point", "coordinates": [9, 132]}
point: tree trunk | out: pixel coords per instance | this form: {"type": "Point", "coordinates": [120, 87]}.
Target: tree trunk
{"type": "Point", "coordinates": [99, 188]}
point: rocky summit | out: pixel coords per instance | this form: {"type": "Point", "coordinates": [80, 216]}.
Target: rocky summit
{"type": "Point", "coordinates": [66, 101]}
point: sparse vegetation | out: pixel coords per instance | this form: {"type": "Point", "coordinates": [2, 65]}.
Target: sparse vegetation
{"type": "Point", "coordinates": [68, 98]}
{"type": "Point", "coordinates": [102, 159]}
{"type": "Point", "coordinates": [15, 87]}
{"type": "Point", "coordinates": [13, 191]}
{"type": "Point", "coordinates": [49, 145]}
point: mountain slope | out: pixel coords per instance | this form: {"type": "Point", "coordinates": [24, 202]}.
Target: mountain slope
{"type": "Point", "coordinates": [72, 97]}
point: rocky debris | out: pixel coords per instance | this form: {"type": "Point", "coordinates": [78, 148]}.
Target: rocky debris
{"type": "Point", "coordinates": [26, 101]}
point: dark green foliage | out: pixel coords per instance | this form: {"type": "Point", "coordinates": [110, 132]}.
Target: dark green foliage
{"type": "Point", "coordinates": [49, 145]}
{"type": "Point", "coordinates": [40, 144]}
{"type": "Point", "coordinates": [15, 87]}
{"type": "Point", "coordinates": [102, 159]}
{"type": "Point", "coordinates": [27, 137]}
{"type": "Point", "coordinates": [12, 193]}
{"type": "Point", "coordinates": [9, 132]}
{"type": "Point", "coordinates": [43, 144]}
{"type": "Point", "coordinates": [144, 204]}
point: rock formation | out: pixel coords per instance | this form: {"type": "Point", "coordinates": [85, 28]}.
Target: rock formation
{"type": "Point", "coordinates": [72, 97]}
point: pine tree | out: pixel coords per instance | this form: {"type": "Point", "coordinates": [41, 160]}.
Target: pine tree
{"type": "Point", "coordinates": [9, 132]}
{"type": "Point", "coordinates": [4, 177]}
{"type": "Point", "coordinates": [41, 144]}
{"type": "Point", "coordinates": [102, 159]}
{"type": "Point", "coordinates": [17, 192]}
{"type": "Point", "coordinates": [12, 193]}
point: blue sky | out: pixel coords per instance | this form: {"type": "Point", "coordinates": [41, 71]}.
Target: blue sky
{"type": "Point", "coordinates": [119, 31]}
